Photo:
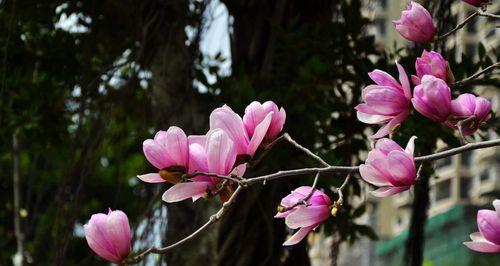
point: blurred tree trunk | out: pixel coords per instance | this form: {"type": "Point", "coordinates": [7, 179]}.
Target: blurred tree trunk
{"type": "Point", "coordinates": [248, 234]}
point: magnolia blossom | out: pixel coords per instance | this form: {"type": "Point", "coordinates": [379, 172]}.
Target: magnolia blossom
{"type": "Point", "coordinates": [488, 238]}
{"type": "Point", "coordinates": [416, 24]}
{"type": "Point", "coordinates": [108, 235]}
{"type": "Point", "coordinates": [385, 103]}
{"type": "Point", "coordinates": [256, 112]}
{"type": "Point", "coordinates": [389, 167]}
{"type": "Point", "coordinates": [168, 152]}
{"type": "Point", "coordinates": [431, 63]}
{"type": "Point", "coordinates": [476, 3]}
{"type": "Point", "coordinates": [229, 121]}
{"type": "Point", "coordinates": [477, 110]}
{"type": "Point", "coordinates": [306, 217]}
{"type": "Point", "coordinates": [432, 98]}
{"type": "Point", "coordinates": [214, 153]}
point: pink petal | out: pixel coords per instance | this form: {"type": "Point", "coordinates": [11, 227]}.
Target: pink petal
{"type": "Point", "coordinates": [393, 123]}
{"type": "Point", "coordinates": [371, 176]}
{"type": "Point", "coordinates": [259, 134]}
{"type": "Point", "coordinates": [402, 168]}
{"type": "Point", "coordinates": [220, 152]}
{"type": "Point", "coordinates": [277, 124]}
{"type": "Point", "coordinates": [118, 231]}
{"type": "Point", "coordinates": [405, 83]}
{"type": "Point", "coordinates": [156, 154]}
{"type": "Point", "coordinates": [496, 204]}
{"type": "Point", "coordinates": [227, 120]}
{"type": "Point", "coordinates": [298, 236]}
{"type": "Point", "coordinates": [254, 114]}
{"type": "Point", "coordinates": [372, 118]}
{"type": "Point", "coordinates": [410, 147]}
{"type": "Point", "coordinates": [307, 216]}
{"type": "Point", "coordinates": [283, 214]}
{"type": "Point", "coordinates": [197, 158]}
{"type": "Point", "coordinates": [197, 139]}
{"type": "Point", "coordinates": [382, 78]}
{"type": "Point", "coordinates": [486, 247]}
{"type": "Point", "coordinates": [386, 145]}
{"type": "Point", "coordinates": [388, 191]}
{"type": "Point", "coordinates": [177, 146]}
{"type": "Point", "coordinates": [489, 225]}
{"type": "Point", "coordinates": [97, 245]}
{"type": "Point", "coordinates": [415, 80]}
{"type": "Point", "coordinates": [182, 191]}
{"type": "Point", "coordinates": [151, 178]}
{"type": "Point", "coordinates": [483, 108]}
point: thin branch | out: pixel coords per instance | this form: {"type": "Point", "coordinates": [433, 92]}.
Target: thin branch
{"type": "Point", "coordinates": [304, 200]}
{"type": "Point", "coordinates": [213, 219]}
{"type": "Point", "coordinates": [460, 125]}
{"type": "Point", "coordinates": [476, 75]}
{"type": "Point", "coordinates": [243, 183]}
{"type": "Point", "coordinates": [267, 149]}
{"type": "Point", "coordinates": [489, 15]}
{"type": "Point", "coordinates": [459, 26]}
{"type": "Point", "coordinates": [304, 149]}
{"type": "Point", "coordinates": [233, 178]}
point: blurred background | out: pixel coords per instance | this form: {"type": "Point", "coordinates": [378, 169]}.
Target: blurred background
{"type": "Point", "coordinates": [83, 83]}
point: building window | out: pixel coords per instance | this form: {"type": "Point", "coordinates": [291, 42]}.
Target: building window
{"type": "Point", "coordinates": [380, 24]}
{"type": "Point", "coordinates": [443, 162]}
{"type": "Point", "coordinates": [472, 25]}
{"type": "Point", "coordinates": [465, 187]}
{"type": "Point", "coordinates": [470, 50]}
{"type": "Point", "coordinates": [466, 158]}
{"type": "Point", "coordinates": [443, 190]}
{"type": "Point", "coordinates": [485, 176]}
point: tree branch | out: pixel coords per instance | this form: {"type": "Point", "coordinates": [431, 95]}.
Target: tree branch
{"type": "Point", "coordinates": [476, 75]}
{"type": "Point", "coordinates": [243, 183]}
{"type": "Point", "coordinates": [459, 26]}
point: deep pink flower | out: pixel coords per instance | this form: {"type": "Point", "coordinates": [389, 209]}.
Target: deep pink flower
{"type": "Point", "coordinates": [476, 3]}
{"type": "Point", "coordinates": [213, 153]}
{"type": "Point", "coordinates": [168, 152]}
{"type": "Point", "coordinates": [432, 98]}
{"type": "Point", "coordinates": [466, 106]}
{"type": "Point", "coordinates": [108, 235]}
{"type": "Point", "coordinates": [488, 238]}
{"type": "Point", "coordinates": [389, 167]}
{"type": "Point", "coordinates": [306, 217]}
{"type": "Point", "coordinates": [229, 121]}
{"type": "Point", "coordinates": [385, 103]}
{"type": "Point", "coordinates": [431, 63]}
{"type": "Point", "coordinates": [416, 24]}
{"type": "Point", "coordinates": [256, 112]}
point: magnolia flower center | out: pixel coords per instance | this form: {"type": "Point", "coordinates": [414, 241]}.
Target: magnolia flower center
{"type": "Point", "coordinates": [173, 174]}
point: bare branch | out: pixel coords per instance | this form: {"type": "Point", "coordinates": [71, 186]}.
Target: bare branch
{"type": "Point", "coordinates": [304, 200]}
{"type": "Point", "coordinates": [213, 219]}
{"type": "Point", "coordinates": [304, 149]}
{"type": "Point", "coordinates": [489, 15]}
{"type": "Point", "coordinates": [476, 75]}
{"type": "Point", "coordinates": [459, 26]}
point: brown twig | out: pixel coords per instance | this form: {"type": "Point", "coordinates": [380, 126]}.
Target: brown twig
{"type": "Point", "coordinates": [304, 200]}
{"type": "Point", "coordinates": [476, 75]}
{"type": "Point", "coordinates": [243, 183]}
{"type": "Point", "coordinates": [459, 26]}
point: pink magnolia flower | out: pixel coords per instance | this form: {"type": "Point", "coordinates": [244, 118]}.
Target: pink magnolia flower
{"type": "Point", "coordinates": [432, 98]}
{"type": "Point", "coordinates": [476, 3]}
{"type": "Point", "coordinates": [168, 152]}
{"type": "Point", "coordinates": [229, 121]}
{"type": "Point", "coordinates": [385, 103]}
{"type": "Point", "coordinates": [488, 238]}
{"type": "Point", "coordinates": [306, 217]}
{"type": "Point", "coordinates": [416, 24]}
{"type": "Point", "coordinates": [467, 106]}
{"type": "Point", "coordinates": [108, 235]}
{"type": "Point", "coordinates": [213, 153]}
{"type": "Point", "coordinates": [431, 63]}
{"type": "Point", "coordinates": [256, 112]}
{"type": "Point", "coordinates": [389, 167]}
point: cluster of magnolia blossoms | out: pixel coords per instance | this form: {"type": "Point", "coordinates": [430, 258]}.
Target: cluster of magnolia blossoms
{"type": "Point", "coordinates": [388, 102]}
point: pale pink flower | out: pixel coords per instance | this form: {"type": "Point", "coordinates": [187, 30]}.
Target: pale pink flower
{"type": "Point", "coordinates": [386, 103]}
{"type": "Point", "coordinates": [431, 63]}
{"type": "Point", "coordinates": [416, 24]}
{"type": "Point", "coordinates": [108, 235]}
{"type": "Point", "coordinates": [389, 167]}
{"type": "Point", "coordinates": [466, 106]}
{"type": "Point", "coordinates": [214, 153]}
{"type": "Point", "coordinates": [229, 121]}
{"type": "Point", "coordinates": [168, 152]}
{"type": "Point", "coordinates": [306, 217]}
{"type": "Point", "coordinates": [488, 238]}
{"type": "Point", "coordinates": [432, 98]}
{"type": "Point", "coordinates": [256, 112]}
